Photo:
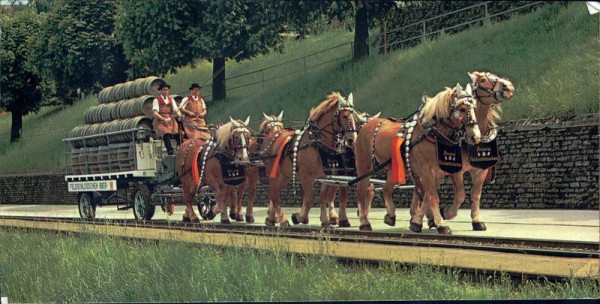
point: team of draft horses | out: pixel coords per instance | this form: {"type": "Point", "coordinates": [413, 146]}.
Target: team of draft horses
{"type": "Point", "coordinates": [451, 133]}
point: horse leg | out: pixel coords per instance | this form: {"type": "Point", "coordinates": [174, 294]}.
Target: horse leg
{"type": "Point", "coordinates": [432, 201]}
{"type": "Point", "coordinates": [415, 204]}
{"type": "Point", "coordinates": [189, 193]}
{"type": "Point", "coordinates": [364, 201]}
{"type": "Point", "coordinates": [429, 212]}
{"type": "Point", "coordinates": [333, 216]}
{"type": "Point", "coordinates": [324, 198]}
{"type": "Point", "coordinates": [307, 202]}
{"type": "Point", "coordinates": [343, 219]}
{"type": "Point", "coordinates": [252, 182]}
{"type": "Point", "coordinates": [239, 216]}
{"type": "Point", "coordinates": [275, 212]}
{"type": "Point", "coordinates": [388, 188]}
{"type": "Point", "coordinates": [458, 187]}
{"type": "Point", "coordinates": [478, 178]}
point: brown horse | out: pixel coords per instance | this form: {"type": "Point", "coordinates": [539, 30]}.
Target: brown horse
{"type": "Point", "coordinates": [489, 91]}
{"type": "Point", "coordinates": [331, 128]}
{"type": "Point", "coordinates": [199, 163]}
{"type": "Point", "coordinates": [268, 127]}
{"type": "Point", "coordinates": [331, 191]}
{"type": "Point", "coordinates": [447, 117]}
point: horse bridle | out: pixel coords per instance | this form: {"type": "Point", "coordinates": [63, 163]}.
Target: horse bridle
{"type": "Point", "coordinates": [493, 80]}
{"type": "Point", "coordinates": [236, 146]}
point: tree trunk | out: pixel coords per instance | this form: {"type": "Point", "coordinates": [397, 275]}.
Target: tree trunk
{"type": "Point", "coordinates": [383, 43]}
{"type": "Point", "coordinates": [218, 84]}
{"type": "Point", "coordinates": [16, 125]}
{"type": "Point", "coordinates": [361, 31]}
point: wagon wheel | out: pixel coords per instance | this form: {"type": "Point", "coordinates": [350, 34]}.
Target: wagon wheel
{"type": "Point", "coordinates": [142, 206]}
{"type": "Point", "coordinates": [87, 208]}
{"type": "Point", "coordinates": [205, 206]}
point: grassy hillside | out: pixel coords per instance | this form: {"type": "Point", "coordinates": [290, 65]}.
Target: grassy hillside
{"type": "Point", "coordinates": [550, 56]}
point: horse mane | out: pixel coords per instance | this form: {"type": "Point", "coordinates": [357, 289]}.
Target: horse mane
{"type": "Point", "coordinates": [223, 134]}
{"type": "Point", "coordinates": [332, 100]}
{"type": "Point", "coordinates": [265, 122]}
{"type": "Point", "coordinates": [493, 115]}
{"type": "Point", "coordinates": [438, 106]}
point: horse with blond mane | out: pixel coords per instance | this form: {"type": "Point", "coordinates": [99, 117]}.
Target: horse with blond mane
{"type": "Point", "coordinates": [489, 91]}
{"type": "Point", "coordinates": [217, 162]}
{"type": "Point", "coordinates": [269, 126]}
{"type": "Point", "coordinates": [414, 148]}
{"type": "Point", "coordinates": [329, 130]}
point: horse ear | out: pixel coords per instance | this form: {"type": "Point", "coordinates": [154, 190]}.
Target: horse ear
{"type": "Point", "coordinates": [472, 76]}
{"type": "Point", "coordinates": [468, 89]}
{"type": "Point", "coordinates": [280, 117]}
{"type": "Point", "coordinates": [377, 115]}
{"type": "Point", "coordinates": [458, 89]}
{"type": "Point", "coordinates": [266, 116]}
{"type": "Point", "coordinates": [232, 120]}
{"type": "Point", "coordinates": [351, 100]}
{"type": "Point", "coordinates": [247, 120]}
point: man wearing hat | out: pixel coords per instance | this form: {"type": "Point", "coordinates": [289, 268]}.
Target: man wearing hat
{"type": "Point", "coordinates": [194, 109]}
{"type": "Point", "coordinates": [164, 108]}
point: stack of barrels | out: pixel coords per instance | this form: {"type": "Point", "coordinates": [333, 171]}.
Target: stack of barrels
{"type": "Point", "coordinates": [124, 106]}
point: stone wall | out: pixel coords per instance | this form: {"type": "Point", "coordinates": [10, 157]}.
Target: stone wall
{"type": "Point", "coordinates": [545, 163]}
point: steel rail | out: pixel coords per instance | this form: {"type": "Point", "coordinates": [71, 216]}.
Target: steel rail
{"type": "Point", "coordinates": [554, 248]}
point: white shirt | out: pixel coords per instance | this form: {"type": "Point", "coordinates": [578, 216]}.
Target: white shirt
{"type": "Point", "coordinates": [184, 101]}
{"type": "Point", "coordinates": [167, 101]}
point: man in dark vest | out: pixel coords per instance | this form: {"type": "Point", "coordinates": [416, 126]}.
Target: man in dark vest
{"type": "Point", "coordinates": [194, 109]}
{"type": "Point", "coordinates": [164, 108]}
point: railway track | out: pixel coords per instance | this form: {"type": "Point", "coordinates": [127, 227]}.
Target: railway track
{"type": "Point", "coordinates": [517, 257]}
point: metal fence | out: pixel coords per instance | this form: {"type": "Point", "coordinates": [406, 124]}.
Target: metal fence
{"type": "Point", "coordinates": [311, 61]}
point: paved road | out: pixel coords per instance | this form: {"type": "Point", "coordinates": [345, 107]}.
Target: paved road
{"type": "Point", "coordinates": [579, 225]}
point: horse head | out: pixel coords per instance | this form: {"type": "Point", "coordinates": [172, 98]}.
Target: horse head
{"type": "Point", "coordinates": [271, 123]}
{"type": "Point", "coordinates": [462, 113]}
{"type": "Point", "coordinates": [233, 139]}
{"type": "Point", "coordinates": [346, 122]}
{"type": "Point", "coordinates": [491, 89]}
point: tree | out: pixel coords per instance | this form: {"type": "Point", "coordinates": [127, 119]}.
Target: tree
{"type": "Point", "coordinates": [159, 35]}
{"type": "Point", "coordinates": [21, 87]}
{"type": "Point", "coordinates": [240, 30]}
{"type": "Point", "coordinates": [77, 47]}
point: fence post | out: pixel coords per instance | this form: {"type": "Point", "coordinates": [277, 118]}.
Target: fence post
{"type": "Point", "coordinates": [262, 75]}
{"type": "Point", "coordinates": [304, 63]}
{"type": "Point", "coordinates": [487, 15]}
{"type": "Point", "coordinates": [424, 36]}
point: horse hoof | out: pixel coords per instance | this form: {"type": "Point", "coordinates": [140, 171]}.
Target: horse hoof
{"type": "Point", "coordinates": [444, 230]}
{"type": "Point", "coordinates": [333, 220]}
{"type": "Point", "coordinates": [325, 225]}
{"type": "Point", "coordinates": [390, 221]}
{"type": "Point", "coordinates": [284, 224]}
{"type": "Point", "coordinates": [295, 218]}
{"type": "Point", "coordinates": [296, 221]}
{"type": "Point", "coordinates": [344, 224]}
{"type": "Point", "coordinates": [269, 223]}
{"type": "Point", "coordinates": [233, 215]}
{"type": "Point", "coordinates": [239, 218]}
{"type": "Point", "coordinates": [365, 227]}
{"type": "Point", "coordinates": [225, 222]}
{"type": "Point", "coordinates": [431, 224]}
{"type": "Point", "coordinates": [186, 219]}
{"type": "Point", "coordinates": [480, 226]}
{"type": "Point", "coordinates": [210, 215]}
{"type": "Point", "coordinates": [415, 227]}
{"type": "Point", "coordinates": [250, 219]}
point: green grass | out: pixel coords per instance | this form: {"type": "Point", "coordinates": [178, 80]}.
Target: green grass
{"type": "Point", "coordinates": [549, 55]}
{"type": "Point", "coordinates": [45, 267]}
